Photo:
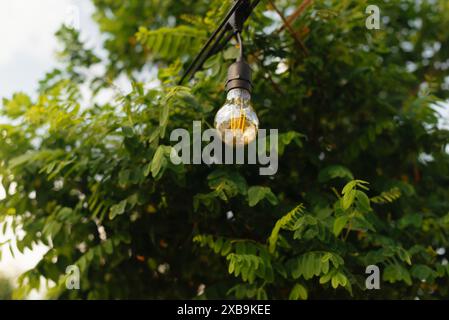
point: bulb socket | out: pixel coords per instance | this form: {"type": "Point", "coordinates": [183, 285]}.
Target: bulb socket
{"type": "Point", "coordinates": [239, 76]}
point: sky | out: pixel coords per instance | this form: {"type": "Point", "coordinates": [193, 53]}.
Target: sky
{"type": "Point", "coordinates": [27, 52]}
{"type": "Point", "coordinates": [28, 45]}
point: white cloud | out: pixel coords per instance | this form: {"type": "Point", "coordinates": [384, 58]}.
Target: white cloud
{"type": "Point", "coordinates": [27, 27]}
{"type": "Point", "coordinates": [27, 38]}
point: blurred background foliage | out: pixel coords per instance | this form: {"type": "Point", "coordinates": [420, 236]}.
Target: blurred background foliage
{"type": "Point", "coordinates": [96, 186]}
{"type": "Point", "coordinates": [5, 289]}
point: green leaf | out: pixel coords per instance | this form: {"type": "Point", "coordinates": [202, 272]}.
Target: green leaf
{"type": "Point", "coordinates": [387, 196]}
{"type": "Point", "coordinates": [348, 199]}
{"type": "Point", "coordinates": [147, 169]}
{"type": "Point", "coordinates": [395, 272]}
{"type": "Point", "coordinates": [326, 278]}
{"type": "Point", "coordinates": [313, 263]}
{"type": "Point", "coordinates": [298, 292]}
{"type": "Point", "coordinates": [404, 256]}
{"type": "Point", "coordinates": [363, 202]}
{"type": "Point", "coordinates": [161, 161]}
{"type": "Point", "coordinates": [231, 53]}
{"type": "Point", "coordinates": [423, 272]}
{"type": "Point", "coordinates": [158, 161]}
{"type": "Point", "coordinates": [170, 43]}
{"type": "Point", "coordinates": [108, 246]}
{"type": "Point", "coordinates": [117, 209]}
{"type": "Point", "coordinates": [349, 194]}
{"type": "Point", "coordinates": [257, 194]}
{"type": "Point", "coordinates": [128, 132]}
{"type": "Point", "coordinates": [227, 184]}
{"type": "Point", "coordinates": [123, 177]}
{"type": "Point", "coordinates": [410, 220]}
{"type": "Point", "coordinates": [339, 279]}
{"type": "Point", "coordinates": [287, 138]}
{"type": "Point", "coordinates": [17, 106]}
{"type": "Point", "coordinates": [349, 187]}
{"type": "Point", "coordinates": [288, 221]}
{"type": "Point", "coordinates": [339, 224]}
{"type": "Point", "coordinates": [163, 118]}
{"type": "Point", "coordinates": [262, 294]}
{"type": "Point", "coordinates": [335, 171]}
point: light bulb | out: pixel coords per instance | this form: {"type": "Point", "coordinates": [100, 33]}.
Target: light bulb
{"type": "Point", "coordinates": [236, 121]}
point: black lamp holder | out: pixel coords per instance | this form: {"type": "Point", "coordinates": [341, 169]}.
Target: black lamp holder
{"type": "Point", "coordinates": [239, 73]}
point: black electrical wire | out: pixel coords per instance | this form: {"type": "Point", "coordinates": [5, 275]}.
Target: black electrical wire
{"type": "Point", "coordinates": [220, 30]}
{"type": "Point", "coordinates": [216, 39]}
{"type": "Point", "coordinates": [254, 4]}
{"type": "Point", "coordinates": [220, 46]}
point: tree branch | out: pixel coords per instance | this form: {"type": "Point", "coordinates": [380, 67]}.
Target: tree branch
{"type": "Point", "coordinates": [290, 29]}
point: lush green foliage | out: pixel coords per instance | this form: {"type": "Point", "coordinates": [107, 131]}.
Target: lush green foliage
{"type": "Point", "coordinates": [96, 185]}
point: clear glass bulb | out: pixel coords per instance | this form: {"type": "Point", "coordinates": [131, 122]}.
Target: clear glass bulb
{"type": "Point", "coordinates": [236, 121]}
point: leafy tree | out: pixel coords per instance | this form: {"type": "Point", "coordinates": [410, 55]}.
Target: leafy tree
{"type": "Point", "coordinates": [363, 176]}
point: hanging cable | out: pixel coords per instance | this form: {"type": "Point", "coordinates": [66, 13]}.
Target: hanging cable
{"type": "Point", "coordinates": [204, 53]}
{"type": "Point", "coordinates": [240, 42]}
{"type": "Point", "coordinates": [235, 18]}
